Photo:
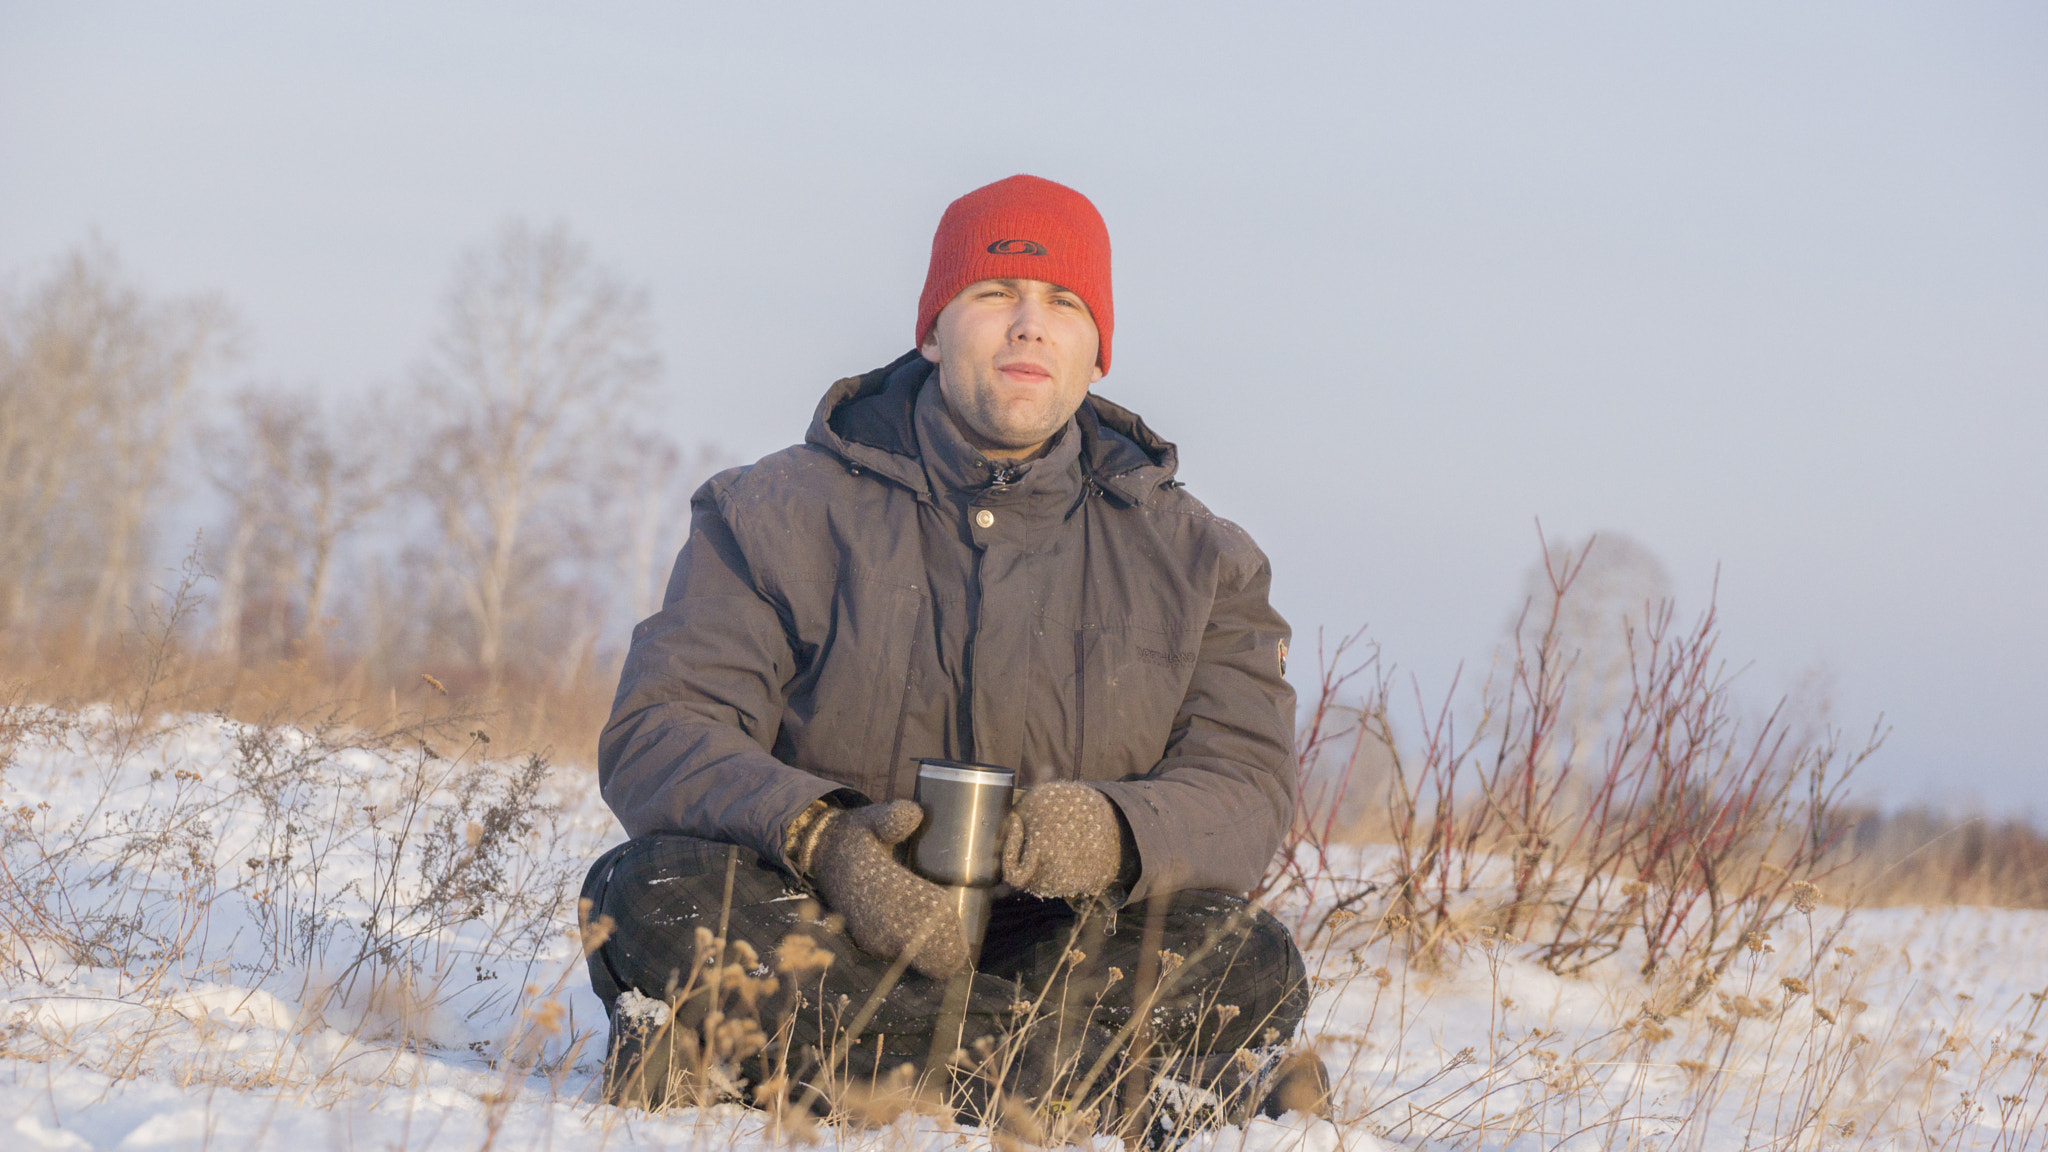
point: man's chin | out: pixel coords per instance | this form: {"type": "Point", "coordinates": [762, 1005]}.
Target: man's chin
{"type": "Point", "coordinates": [1016, 438]}
{"type": "Point", "coordinates": [1011, 425]}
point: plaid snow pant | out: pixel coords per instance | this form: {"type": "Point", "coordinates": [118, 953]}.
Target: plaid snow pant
{"type": "Point", "coordinates": [1219, 974]}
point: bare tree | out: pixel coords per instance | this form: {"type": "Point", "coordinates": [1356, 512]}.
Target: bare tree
{"type": "Point", "coordinates": [541, 357]}
{"type": "Point", "coordinates": [297, 482]}
{"type": "Point", "coordinates": [649, 494]}
{"type": "Point", "coordinates": [93, 378]}
{"type": "Point", "coordinates": [45, 418]}
{"type": "Point", "coordinates": [1616, 586]}
{"type": "Point", "coordinates": [342, 482]}
{"type": "Point", "coordinates": [248, 516]}
{"type": "Point", "coordinates": [640, 515]}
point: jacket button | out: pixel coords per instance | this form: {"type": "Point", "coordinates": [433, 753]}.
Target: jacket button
{"type": "Point", "coordinates": [984, 518]}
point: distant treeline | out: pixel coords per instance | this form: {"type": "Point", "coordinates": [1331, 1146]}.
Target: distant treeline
{"type": "Point", "coordinates": [498, 517]}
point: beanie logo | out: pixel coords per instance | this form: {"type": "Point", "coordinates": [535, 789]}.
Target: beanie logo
{"type": "Point", "coordinates": [1017, 248]}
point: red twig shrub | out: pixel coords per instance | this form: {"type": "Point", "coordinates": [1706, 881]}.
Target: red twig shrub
{"type": "Point", "coordinates": [1671, 825]}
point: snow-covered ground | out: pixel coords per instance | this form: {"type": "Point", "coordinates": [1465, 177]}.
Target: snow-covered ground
{"type": "Point", "coordinates": [225, 936]}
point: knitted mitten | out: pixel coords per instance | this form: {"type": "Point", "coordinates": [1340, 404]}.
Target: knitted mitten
{"type": "Point", "coordinates": [888, 908]}
{"type": "Point", "coordinates": [1062, 839]}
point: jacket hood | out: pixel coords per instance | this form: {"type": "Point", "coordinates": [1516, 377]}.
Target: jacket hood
{"type": "Point", "coordinates": [868, 421]}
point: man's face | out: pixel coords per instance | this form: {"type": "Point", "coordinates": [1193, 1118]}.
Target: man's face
{"type": "Point", "coordinates": [1015, 359]}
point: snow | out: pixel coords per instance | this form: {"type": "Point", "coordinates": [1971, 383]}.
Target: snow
{"type": "Point", "coordinates": [220, 935]}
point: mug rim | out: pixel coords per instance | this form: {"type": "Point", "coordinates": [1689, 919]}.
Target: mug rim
{"type": "Point", "coordinates": [962, 772]}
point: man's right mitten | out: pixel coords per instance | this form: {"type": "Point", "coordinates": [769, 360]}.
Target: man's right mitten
{"type": "Point", "coordinates": [888, 908]}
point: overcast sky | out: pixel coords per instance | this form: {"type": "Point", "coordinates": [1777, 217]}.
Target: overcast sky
{"type": "Point", "coordinates": [1763, 286]}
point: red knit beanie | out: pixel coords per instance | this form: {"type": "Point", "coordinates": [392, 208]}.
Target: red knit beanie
{"type": "Point", "coordinates": [1022, 228]}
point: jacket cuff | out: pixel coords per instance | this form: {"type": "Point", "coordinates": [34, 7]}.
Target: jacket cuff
{"type": "Point", "coordinates": [1145, 835]}
{"type": "Point", "coordinates": [787, 828]}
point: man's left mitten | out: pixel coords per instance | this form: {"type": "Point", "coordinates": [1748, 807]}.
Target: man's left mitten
{"type": "Point", "coordinates": [1062, 839]}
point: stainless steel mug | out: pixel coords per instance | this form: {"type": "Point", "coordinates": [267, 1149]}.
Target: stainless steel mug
{"type": "Point", "coordinates": [960, 843]}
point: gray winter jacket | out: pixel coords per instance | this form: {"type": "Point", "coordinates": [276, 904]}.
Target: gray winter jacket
{"type": "Point", "coordinates": [882, 592]}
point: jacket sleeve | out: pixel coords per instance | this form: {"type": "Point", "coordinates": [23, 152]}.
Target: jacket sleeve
{"type": "Point", "coordinates": [1214, 809]}
{"type": "Point", "coordinates": [700, 702]}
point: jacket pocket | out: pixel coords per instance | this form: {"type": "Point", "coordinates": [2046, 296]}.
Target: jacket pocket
{"type": "Point", "coordinates": [1131, 682]}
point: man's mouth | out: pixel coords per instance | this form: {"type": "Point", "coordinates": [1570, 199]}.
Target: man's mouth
{"type": "Point", "coordinates": [1024, 372]}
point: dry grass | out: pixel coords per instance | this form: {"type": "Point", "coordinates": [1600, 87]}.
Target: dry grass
{"type": "Point", "coordinates": [1916, 856]}
{"type": "Point", "coordinates": [541, 715]}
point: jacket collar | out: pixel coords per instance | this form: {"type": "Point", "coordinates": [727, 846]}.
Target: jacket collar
{"type": "Point", "coordinates": [869, 422]}
{"type": "Point", "coordinates": [952, 464]}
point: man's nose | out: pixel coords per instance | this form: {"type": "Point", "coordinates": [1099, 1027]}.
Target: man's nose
{"type": "Point", "coordinates": [1029, 321]}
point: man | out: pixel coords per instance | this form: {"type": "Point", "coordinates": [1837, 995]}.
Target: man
{"type": "Point", "coordinates": [972, 558]}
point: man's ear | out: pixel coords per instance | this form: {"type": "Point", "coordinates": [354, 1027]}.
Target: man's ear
{"type": "Point", "coordinates": [1095, 374]}
{"type": "Point", "coordinates": [930, 348]}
